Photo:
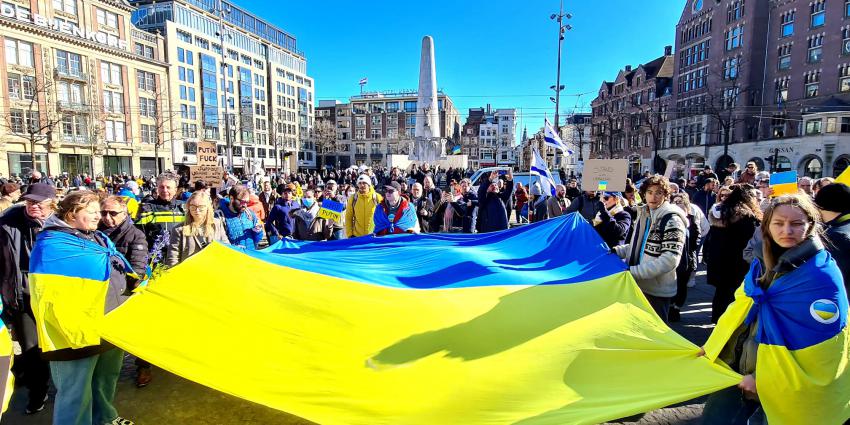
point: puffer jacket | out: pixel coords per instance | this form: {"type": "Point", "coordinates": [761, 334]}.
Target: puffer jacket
{"type": "Point", "coordinates": [654, 266]}
{"type": "Point", "coordinates": [360, 212]}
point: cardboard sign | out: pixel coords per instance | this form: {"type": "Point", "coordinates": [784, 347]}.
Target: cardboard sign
{"type": "Point", "coordinates": [605, 175]}
{"type": "Point", "coordinates": [671, 165]}
{"type": "Point", "coordinates": [331, 210]}
{"type": "Point", "coordinates": [207, 154]}
{"type": "Point", "coordinates": [209, 174]}
{"type": "Point", "coordinates": [784, 183]}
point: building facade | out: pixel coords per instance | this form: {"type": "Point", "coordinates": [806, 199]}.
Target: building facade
{"type": "Point", "coordinates": [489, 137]}
{"type": "Point", "coordinates": [235, 80]}
{"type": "Point", "coordinates": [85, 91]}
{"type": "Point", "coordinates": [766, 81]}
{"type": "Point", "coordinates": [374, 125]}
{"type": "Point", "coordinates": [628, 113]}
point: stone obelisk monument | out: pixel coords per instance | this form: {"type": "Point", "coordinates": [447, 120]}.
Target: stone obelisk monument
{"type": "Point", "coordinates": [427, 145]}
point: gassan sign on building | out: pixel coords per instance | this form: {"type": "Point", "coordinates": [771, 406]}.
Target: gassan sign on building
{"type": "Point", "coordinates": [13, 11]}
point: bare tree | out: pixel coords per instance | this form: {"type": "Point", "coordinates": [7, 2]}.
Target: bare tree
{"type": "Point", "coordinates": [34, 114]}
{"type": "Point", "coordinates": [650, 121]}
{"type": "Point", "coordinates": [324, 139]}
{"type": "Point", "coordinates": [163, 117]}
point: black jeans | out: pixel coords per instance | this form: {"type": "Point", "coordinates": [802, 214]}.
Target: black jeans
{"type": "Point", "coordinates": [34, 373]}
{"type": "Point", "coordinates": [728, 407]}
{"type": "Point", "coordinates": [661, 305]}
{"type": "Point", "coordinates": [682, 288]}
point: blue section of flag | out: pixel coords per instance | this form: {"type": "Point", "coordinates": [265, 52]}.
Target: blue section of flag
{"type": "Point", "coordinates": [786, 177]}
{"type": "Point", "coordinates": [332, 205]}
{"type": "Point", "coordinates": [520, 256]}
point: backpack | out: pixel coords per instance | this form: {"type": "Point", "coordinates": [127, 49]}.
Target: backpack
{"type": "Point", "coordinates": [687, 262]}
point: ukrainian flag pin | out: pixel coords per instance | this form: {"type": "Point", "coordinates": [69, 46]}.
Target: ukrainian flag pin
{"type": "Point", "coordinates": [824, 311]}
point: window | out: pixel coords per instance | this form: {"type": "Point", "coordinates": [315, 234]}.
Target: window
{"type": "Point", "coordinates": [818, 10]}
{"type": "Point", "coordinates": [392, 120]}
{"type": "Point", "coordinates": [74, 128]}
{"type": "Point", "coordinates": [114, 131]}
{"type": "Point", "coordinates": [69, 94]}
{"type": "Point", "coordinates": [147, 107]}
{"type": "Point", "coordinates": [113, 101]}
{"type": "Point", "coordinates": [782, 90]}
{"type": "Point", "coordinates": [410, 121]}
{"type": "Point", "coordinates": [814, 126]}
{"type": "Point", "coordinates": [785, 57]}
{"type": "Point", "coordinates": [845, 45]}
{"type": "Point", "coordinates": [844, 78]}
{"type": "Point", "coordinates": [409, 106]}
{"type": "Point", "coordinates": [21, 86]}
{"type": "Point", "coordinates": [67, 6]}
{"type": "Point", "coordinates": [376, 148]}
{"type": "Point", "coordinates": [376, 120]}
{"type": "Point", "coordinates": [68, 63]}
{"type": "Point", "coordinates": [190, 131]}
{"type": "Point", "coordinates": [815, 49]}
{"type": "Point", "coordinates": [788, 23]}
{"type": "Point", "coordinates": [107, 19]}
{"type": "Point", "coordinates": [697, 5]}
{"type": "Point", "coordinates": [146, 80]}
{"type": "Point", "coordinates": [110, 73]}
{"type": "Point", "coordinates": [830, 124]}
{"type": "Point", "coordinates": [812, 84]}
{"type": "Point", "coordinates": [148, 134]}
{"type": "Point", "coordinates": [18, 52]}
{"type": "Point", "coordinates": [847, 8]}
{"type": "Point", "coordinates": [185, 56]}
{"type": "Point", "coordinates": [392, 107]}
{"type": "Point", "coordinates": [730, 68]}
{"type": "Point", "coordinates": [845, 124]}
{"type": "Point", "coordinates": [360, 148]}
{"type": "Point", "coordinates": [359, 122]}
{"type": "Point", "coordinates": [144, 50]}
{"type": "Point", "coordinates": [735, 11]}
{"type": "Point", "coordinates": [734, 38]}
{"type": "Point", "coordinates": [23, 121]}
{"type": "Point", "coordinates": [184, 36]}
{"type": "Point", "coordinates": [376, 133]}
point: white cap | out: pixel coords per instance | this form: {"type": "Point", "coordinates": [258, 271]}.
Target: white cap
{"type": "Point", "coordinates": [364, 179]}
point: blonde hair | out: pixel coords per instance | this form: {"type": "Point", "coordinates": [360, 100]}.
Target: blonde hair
{"type": "Point", "coordinates": [75, 202]}
{"type": "Point", "coordinates": [769, 247]}
{"type": "Point", "coordinates": [206, 226]}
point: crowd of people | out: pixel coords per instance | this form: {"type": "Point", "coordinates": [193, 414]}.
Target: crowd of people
{"type": "Point", "coordinates": [662, 229]}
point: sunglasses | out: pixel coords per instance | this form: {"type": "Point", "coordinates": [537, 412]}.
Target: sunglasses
{"type": "Point", "coordinates": [105, 213]}
{"type": "Point", "coordinates": [390, 191]}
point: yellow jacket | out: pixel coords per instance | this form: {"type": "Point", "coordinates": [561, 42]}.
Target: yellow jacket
{"type": "Point", "coordinates": [359, 213]}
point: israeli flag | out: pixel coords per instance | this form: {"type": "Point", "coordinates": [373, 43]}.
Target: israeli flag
{"type": "Point", "coordinates": [552, 139]}
{"type": "Point", "coordinates": [538, 168]}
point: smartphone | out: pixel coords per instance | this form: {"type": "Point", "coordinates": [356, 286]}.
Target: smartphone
{"type": "Point", "coordinates": [503, 172]}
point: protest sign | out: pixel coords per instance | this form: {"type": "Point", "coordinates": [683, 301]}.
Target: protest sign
{"type": "Point", "coordinates": [671, 165]}
{"type": "Point", "coordinates": [207, 154]}
{"type": "Point", "coordinates": [209, 174]}
{"type": "Point", "coordinates": [783, 183]}
{"type": "Point", "coordinates": [605, 174]}
{"type": "Point", "coordinates": [331, 210]}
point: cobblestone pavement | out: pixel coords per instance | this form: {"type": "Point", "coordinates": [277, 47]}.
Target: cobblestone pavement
{"type": "Point", "coordinates": [171, 400]}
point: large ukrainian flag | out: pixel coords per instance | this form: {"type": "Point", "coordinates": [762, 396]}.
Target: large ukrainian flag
{"type": "Point", "coordinates": [803, 367]}
{"type": "Point", "coordinates": [537, 325]}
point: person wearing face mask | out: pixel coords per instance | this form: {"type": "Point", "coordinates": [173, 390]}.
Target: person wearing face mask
{"type": "Point", "coordinates": [308, 225]}
{"type": "Point", "coordinates": [68, 257]}
{"type": "Point", "coordinates": [161, 213]}
{"type": "Point", "coordinates": [242, 226]}
{"type": "Point", "coordinates": [395, 214]}
{"type": "Point", "coordinates": [19, 226]}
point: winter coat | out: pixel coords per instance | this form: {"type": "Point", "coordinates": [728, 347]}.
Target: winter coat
{"type": "Point", "coordinates": [268, 201]}
{"type": "Point", "coordinates": [614, 228]}
{"type": "Point", "coordinates": [838, 244]}
{"type": "Point", "coordinates": [182, 247]}
{"type": "Point", "coordinates": [723, 250]}
{"type": "Point", "coordinates": [310, 227]}
{"type": "Point", "coordinates": [17, 236]}
{"type": "Point", "coordinates": [704, 201]}
{"type": "Point", "coordinates": [434, 195]}
{"type": "Point", "coordinates": [584, 205]}
{"type": "Point", "coordinates": [468, 207]}
{"type": "Point", "coordinates": [131, 243]}
{"type": "Point", "coordinates": [117, 292]}
{"type": "Point", "coordinates": [360, 212]}
{"type": "Point", "coordinates": [280, 222]}
{"type": "Point", "coordinates": [556, 206]}
{"type": "Point", "coordinates": [538, 208]}
{"type": "Point", "coordinates": [494, 208]}
{"type": "Point", "coordinates": [257, 207]}
{"type": "Point", "coordinates": [654, 266]}
{"type": "Point", "coordinates": [158, 217]}
{"type": "Point", "coordinates": [424, 211]}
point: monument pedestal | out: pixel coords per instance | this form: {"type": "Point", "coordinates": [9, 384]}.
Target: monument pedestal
{"type": "Point", "coordinates": [453, 161]}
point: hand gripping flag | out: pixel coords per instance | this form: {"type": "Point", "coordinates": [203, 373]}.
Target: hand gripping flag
{"type": "Point", "coordinates": [553, 139]}
{"type": "Point", "coordinates": [539, 168]}
{"type": "Point", "coordinates": [803, 361]}
{"type": "Point", "coordinates": [534, 325]}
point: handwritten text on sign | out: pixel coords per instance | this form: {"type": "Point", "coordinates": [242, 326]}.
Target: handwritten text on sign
{"type": "Point", "coordinates": [605, 174]}
{"type": "Point", "coordinates": [209, 174]}
{"type": "Point", "coordinates": [207, 154]}
{"type": "Point", "coordinates": [331, 210]}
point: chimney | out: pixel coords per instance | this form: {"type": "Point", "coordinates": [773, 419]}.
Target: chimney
{"type": "Point", "coordinates": [628, 68]}
{"type": "Point", "coordinates": [668, 50]}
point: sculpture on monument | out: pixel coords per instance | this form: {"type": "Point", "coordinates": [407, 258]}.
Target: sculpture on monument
{"type": "Point", "coordinates": [427, 145]}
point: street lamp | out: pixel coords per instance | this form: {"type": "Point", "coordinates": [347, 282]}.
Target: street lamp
{"type": "Point", "coordinates": [562, 28]}
{"type": "Point", "coordinates": [221, 10]}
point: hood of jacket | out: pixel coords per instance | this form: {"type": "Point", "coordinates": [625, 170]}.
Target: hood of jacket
{"type": "Point", "coordinates": [798, 255]}
{"type": "Point", "coordinates": [663, 210]}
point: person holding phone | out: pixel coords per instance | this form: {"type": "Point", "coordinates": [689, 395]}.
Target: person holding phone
{"type": "Point", "coordinates": [494, 202]}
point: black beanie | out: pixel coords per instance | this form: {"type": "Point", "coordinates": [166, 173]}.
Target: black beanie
{"type": "Point", "coordinates": [834, 197]}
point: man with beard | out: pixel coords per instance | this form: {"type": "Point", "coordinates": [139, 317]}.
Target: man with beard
{"type": "Point", "coordinates": [557, 205]}
{"type": "Point", "coordinates": [242, 226]}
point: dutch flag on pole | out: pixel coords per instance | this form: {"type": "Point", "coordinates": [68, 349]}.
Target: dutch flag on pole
{"type": "Point", "coordinates": [364, 81]}
{"type": "Point", "coordinates": [552, 139]}
{"type": "Point", "coordinates": [538, 168]}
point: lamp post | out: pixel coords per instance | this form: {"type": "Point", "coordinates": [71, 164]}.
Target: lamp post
{"type": "Point", "coordinates": [558, 87]}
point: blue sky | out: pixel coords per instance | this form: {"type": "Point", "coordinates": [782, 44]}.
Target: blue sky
{"type": "Point", "coordinates": [499, 52]}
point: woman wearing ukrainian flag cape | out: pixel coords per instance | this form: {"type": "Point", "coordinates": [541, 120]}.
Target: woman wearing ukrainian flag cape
{"type": "Point", "coordinates": [787, 330]}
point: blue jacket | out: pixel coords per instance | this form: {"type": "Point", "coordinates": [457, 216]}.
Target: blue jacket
{"type": "Point", "coordinates": [240, 228]}
{"type": "Point", "coordinates": [279, 221]}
